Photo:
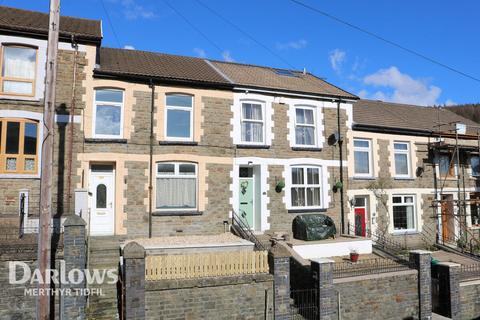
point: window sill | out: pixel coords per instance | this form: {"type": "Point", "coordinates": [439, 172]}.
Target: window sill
{"type": "Point", "coordinates": [252, 146]}
{"type": "Point", "coordinates": [363, 178]}
{"type": "Point", "coordinates": [404, 178]}
{"type": "Point", "coordinates": [169, 213]}
{"type": "Point", "coordinates": [105, 140]}
{"type": "Point", "coordinates": [405, 232]}
{"type": "Point", "coordinates": [306, 149]}
{"type": "Point", "coordinates": [19, 176]}
{"type": "Point", "coordinates": [306, 210]}
{"type": "Point", "coordinates": [178, 143]}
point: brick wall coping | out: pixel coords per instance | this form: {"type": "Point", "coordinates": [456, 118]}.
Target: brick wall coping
{"type": "Point", "coordinates": [322, 260]}
{"type": "Point", "coordinates": [74, 220]}
{"type": "Point", "coordinates": [421, 252]}
{"type": "Point", "coordinates": [133, 250]}
{"type": "Point", "coordinates": [449, 264]}
{"type": "Point", "coordinates": [376, 276]}
{"type": "Point", "coordinates": [206, 282]}
{"type": "Point", "coordinates": [470, 283]}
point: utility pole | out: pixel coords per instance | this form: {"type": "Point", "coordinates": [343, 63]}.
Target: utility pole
{"type": "Point", "coordinates": [44, 235]}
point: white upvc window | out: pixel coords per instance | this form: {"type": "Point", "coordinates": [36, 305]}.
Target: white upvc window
{"type": "Point", "coordinates": [305, 126]}
{"type": "Point", "coordinates": [362, 153]}
{"type": "Point", "coordinates": [108, 114]}
{"type": "Point", "coordinates": [176, 186]}
{"type": "Point", "coordinates": [402, 159]}
{"type": "Point", "coordinates": [404, 212]}
{"type": "Point", "coordinates": [18, 66]}
{"type": "Point", "coordinates": [306, 187]}
{"type": "Point", "coordinates": [252, 121]}
{"type": "Point", "coordinates": [179, 117]}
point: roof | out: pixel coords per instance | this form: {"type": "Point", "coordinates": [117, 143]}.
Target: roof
{"type": "Point", "coordinates": [281, 79]}
{"type": "Point", "coordinates": [123, 62]}
{"type": "Point", "coordinates": [408, 117]}
{"type": "Point", "coordinates": [26, 21]}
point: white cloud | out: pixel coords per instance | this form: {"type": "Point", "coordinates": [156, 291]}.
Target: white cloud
{"type": "Point", "coordinates": [129, 47]}
{"type": "Point", "coordinates": [200, 52]}
{"type": "Point", "coordinates": [132, 10]}
{"type": "Point", "coordinates": [298, 44]}
{"type": "Point", "coordinates": [227, 56]}
{"type": "Point", "coordinates": [402, 88]}
{"type": "Point", "coordinates": [450, 102]}
{"type": "Point", "coordinates": [337, 58]}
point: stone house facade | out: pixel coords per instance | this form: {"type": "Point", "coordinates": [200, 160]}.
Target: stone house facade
{"type": "Point", "coordinates": [404, 176]}
{"type": "Point", "coordinates": [23, 48]}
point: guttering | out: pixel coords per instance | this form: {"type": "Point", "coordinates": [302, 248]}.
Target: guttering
{"type": "Point", "coordinates": [322, 97]}
{"type": "Point", "coordinates": [63, 37]}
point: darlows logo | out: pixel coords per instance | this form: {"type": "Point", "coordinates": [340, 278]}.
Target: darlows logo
{"type": "Point", "coordinates": [74, 276]}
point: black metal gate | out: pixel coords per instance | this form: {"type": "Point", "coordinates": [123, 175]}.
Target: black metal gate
{"type": "Point", "coordinates": [304, 304]}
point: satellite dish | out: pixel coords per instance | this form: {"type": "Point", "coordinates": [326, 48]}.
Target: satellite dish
{"type": "Point", "coordinates": [333, 139]}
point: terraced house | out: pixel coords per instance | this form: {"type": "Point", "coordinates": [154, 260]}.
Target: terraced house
{"type": "Point", "coordinates": [412, 174]}
{"type": "Point", "coordinates": [23, 47]}
{"type": "Point", "coordinates": [173, 145]}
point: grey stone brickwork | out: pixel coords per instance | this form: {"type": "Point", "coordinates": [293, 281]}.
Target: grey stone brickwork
{"type": "Point", "coordinates": [279, 261]}
{"type": "Point", "coordinates": [242, 297]}
{"type": "Point", "coordinates": [387, 296]}
{"type": "Point", "coordinates": [134, 281]}
{"type": "Point", "coordinates": [448, 290]}
{"type": "Point", "coordinates": [322, 274]}
{"type": "Point", "coordinates": [73, 306]}
{"type": "Point", "coordinates": [469, 300]}
{"type": "Point", "coordinates": [136, 195]}
{"type": "Point", "coordinates": [421, 260]}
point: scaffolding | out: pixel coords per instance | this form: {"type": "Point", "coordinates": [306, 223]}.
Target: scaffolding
{"type": "Point", "coordinates": [444, 204]}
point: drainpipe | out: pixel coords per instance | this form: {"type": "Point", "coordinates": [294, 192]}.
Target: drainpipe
{"type": "Point", "coordinates": [340, 144]}
{"type": "Point", "coordinates": [150, 185]}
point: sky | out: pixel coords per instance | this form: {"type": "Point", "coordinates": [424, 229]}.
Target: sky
{"type": "Point", "coordinates": [446, 31]}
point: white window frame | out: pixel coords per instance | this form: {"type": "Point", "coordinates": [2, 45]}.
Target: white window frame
{"type": "Point", "coordinates": [176, 175]}
{"type": "Point", "coordinates": [314, 125]}
{"type": "Point", "coordinates": [109, 103]}
{"type": "Point", "coordinates": [409, 162]}
{"type": "Point", "coordinates": [370, 158]}
{"type": "Point", "coordinates": [403, 203]}
{"type": "Point", "coordinates": [306, 185]}
{"type": "Point", "coordinates": [190, 110]}
{"type": "Point", "coordinates": [263, 122]}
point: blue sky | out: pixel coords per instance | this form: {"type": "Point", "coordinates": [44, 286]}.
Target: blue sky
{"type": "Point", "coordinates": [446, 31]}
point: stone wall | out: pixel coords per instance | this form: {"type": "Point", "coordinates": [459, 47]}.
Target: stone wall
{"type": "Point", "coordinates": [381, 296]}
{"type": "Point", "coordinates": [470, 300]}
{"type": "Point", "coordinates": [245, 297]}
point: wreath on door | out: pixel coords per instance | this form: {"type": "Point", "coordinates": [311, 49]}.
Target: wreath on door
{"type": "Point", "coordinates": [244, 186]}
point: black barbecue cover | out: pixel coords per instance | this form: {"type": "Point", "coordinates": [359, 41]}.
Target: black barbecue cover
{"type": "Point", "coordinates": [310, 227]}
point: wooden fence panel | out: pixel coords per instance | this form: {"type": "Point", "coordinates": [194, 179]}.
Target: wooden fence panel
{"type": "Point", "coordinates": [200, 265]}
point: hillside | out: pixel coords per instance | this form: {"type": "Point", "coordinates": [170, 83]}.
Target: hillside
{"type": "Point", "coordinates": [470, 111]}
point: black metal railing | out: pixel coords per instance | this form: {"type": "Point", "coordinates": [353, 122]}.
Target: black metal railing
{"type": "Point", "coordinates": [22, 215]}
{"type": "Point", "coordinates": [368, 266]}
{"type": "Point", "coordinates": [304, 304]}
{"type": "Point", "coordinates": [241, 228]}
{"type": "Point", "coordinates": [469, 272]}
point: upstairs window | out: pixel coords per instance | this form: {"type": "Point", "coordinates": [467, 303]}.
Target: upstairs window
{"type": "Point", "coordinates": [18, 70]}
{"type": "Point", "coordinates": [362, 153]}
{"type": "Point", "coordinates": [19, 146]}
{"type": "Point", "coordinates": [475, 165]}
{"type": "Point", "coordinates": [179, 117]}
{"type": "Point", "coordinates": [306, 187]}
{"type": "Point", "coordinates": [305, 130]}
{"type": "Point", "coordinates": [402, 159]}
{"type": "Point", "coordinates": [252, 123]}
{"type": "Point", "coordinates": [108, 114]}
{"type": "Point", "coordinates": [446, 165]}
{"type": "Point", "coordinates": [403, 212]}
{"type": "Point", "coordinates": [176, 186]}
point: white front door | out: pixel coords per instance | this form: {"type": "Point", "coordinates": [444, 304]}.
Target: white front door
{"type": "Point", "coordinates": [102, 213]}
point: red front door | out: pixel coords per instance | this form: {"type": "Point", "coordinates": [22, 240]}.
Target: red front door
{"type": "Point", "coordinates": [360, 222]}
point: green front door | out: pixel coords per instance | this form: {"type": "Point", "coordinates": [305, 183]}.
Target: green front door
{"type": "Point", "coordinates": [245, 208]}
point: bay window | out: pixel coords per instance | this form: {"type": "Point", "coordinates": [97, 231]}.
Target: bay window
{"type": "Point", "coordinates": [305, 188]}
{"type": "Point", "coordinates": [176, 186]}
{"type": "Point", "coordinates": [402, 158]}
{"type": "Point", "coordinates": [362, 154]}
{"type": "Point", "coordinates": [305, 130]}
{"type": "Point", "coordinates": [179, 119]}
{"type": "Point", "coordinates": [108, 114]}
{"type": "Point", "coordinates": [252, 123]}
{"type": "Point", "coordinates": [18, 74]}
{"type": "Point", "coordinates": [403, 212]}
{"type": "Point", "coordinates": [19, 146]}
